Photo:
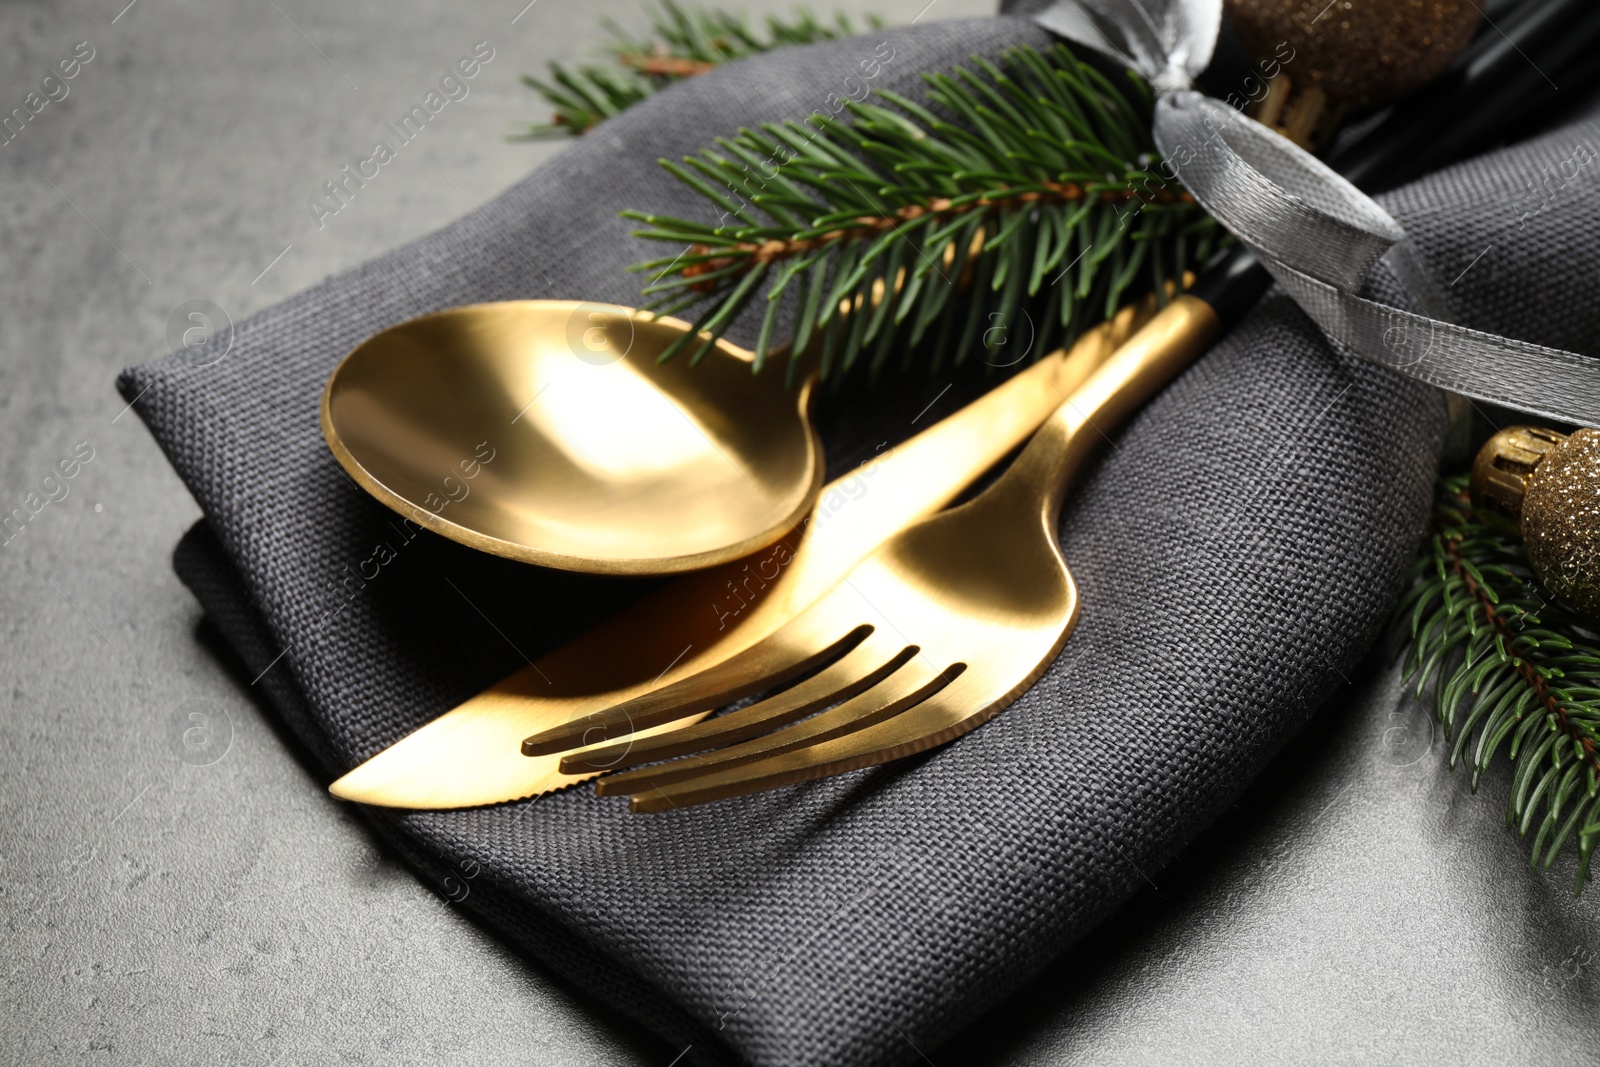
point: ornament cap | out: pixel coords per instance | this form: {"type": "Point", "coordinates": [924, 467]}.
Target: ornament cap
{"type": "Point", "coordinates": [1501, 471]}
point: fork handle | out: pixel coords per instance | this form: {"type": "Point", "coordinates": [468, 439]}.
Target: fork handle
{"type": "Point", "coordinates": [1138, 370]}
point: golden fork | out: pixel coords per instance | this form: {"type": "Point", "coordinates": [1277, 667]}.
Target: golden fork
{"type": "Point", "coordinates": [931, 635]}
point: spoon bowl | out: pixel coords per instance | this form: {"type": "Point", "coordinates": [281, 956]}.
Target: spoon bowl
{"type": "Point", "coordinates": [547, 431]}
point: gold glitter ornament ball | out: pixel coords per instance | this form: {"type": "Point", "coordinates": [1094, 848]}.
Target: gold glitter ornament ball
{"type": "Point", "coordinates": [1362, 53]}
{"type": "Point", "coordinates": [1561, 521]}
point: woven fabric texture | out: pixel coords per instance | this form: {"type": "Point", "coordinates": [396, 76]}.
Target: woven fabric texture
{"type": "Point", "coordinates": [1237, 552]}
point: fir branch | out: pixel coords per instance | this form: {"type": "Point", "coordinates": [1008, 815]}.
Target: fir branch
{"type": "Point", "coordinates": [1031, 184]}
{"type": "Point", "coordinates": [681, 44]}
{"type": "Point", "coordinates": [1513, 669]}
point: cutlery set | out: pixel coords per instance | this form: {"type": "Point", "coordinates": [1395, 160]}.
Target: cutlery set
{"type": "Point", "coordinates": [896, 625]}
{"type": "Point", "coordinates": [472, 755]}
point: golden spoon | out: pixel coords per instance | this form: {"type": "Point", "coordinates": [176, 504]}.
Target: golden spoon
{"type": "Point", "coordinates": [547, 431]}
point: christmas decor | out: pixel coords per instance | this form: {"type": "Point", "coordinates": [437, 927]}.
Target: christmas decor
{"type": "Point", "coordinates": [680, 45]}
{"type": "Point", "coordinates": [1329, 58]}
{"type": "Point", "coordinates": [1046, 195]}
{"type": "Point", "coordinates": [1546, 486]}
{"type": "Point", "coordinates": [1511, 670]}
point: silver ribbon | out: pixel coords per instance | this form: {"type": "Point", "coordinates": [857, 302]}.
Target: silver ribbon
{"type": "Point", "coordinates": [1319, 235]}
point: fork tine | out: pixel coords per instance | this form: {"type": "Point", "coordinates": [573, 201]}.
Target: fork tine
{"type": "Point", "coordinates": [912, 684]}
{"type": "Point", "coordinates": [787, 654]}
{"type": "Point", "coordinates": [942, 716]}
{"type": "Point", "coordinates": [858, 670]}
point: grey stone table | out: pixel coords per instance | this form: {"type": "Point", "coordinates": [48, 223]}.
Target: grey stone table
{"type": "Point", "coordinates": [1360, 905]}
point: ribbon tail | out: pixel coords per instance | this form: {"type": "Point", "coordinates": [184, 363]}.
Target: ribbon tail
{"type": "Point", "coordinates": [1320, 236]}
{"type": "Point", "coordinates": [1546, 382]}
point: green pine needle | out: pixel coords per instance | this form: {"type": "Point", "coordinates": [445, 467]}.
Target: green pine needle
{"type": "Point", "coordinates": [680, 45]}
{"type": "Point", "coordinates": [1511, 672]}
{"type": "Point", "coordinates": [1040, 201]}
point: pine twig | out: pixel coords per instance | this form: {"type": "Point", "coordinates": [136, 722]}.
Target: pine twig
{"type": "Point", "coordinates": [1513, 669]}
{"type": "Point", "coordinates": [1032, 181]}
{"type": "Point", "coordinates": [681, 44]}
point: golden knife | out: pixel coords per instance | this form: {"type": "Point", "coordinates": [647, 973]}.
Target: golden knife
{"type": "Point", "coordinates": [472, 756]}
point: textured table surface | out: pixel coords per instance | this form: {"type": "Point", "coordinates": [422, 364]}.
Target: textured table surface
{"type": "Point", "coordinates": [1359, 905]}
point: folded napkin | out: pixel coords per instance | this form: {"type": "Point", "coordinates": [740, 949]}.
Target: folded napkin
{"type": "Point", "coordinates": [1237, 551]}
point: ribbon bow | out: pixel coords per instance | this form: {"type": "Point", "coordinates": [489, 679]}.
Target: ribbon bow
{"type": "Point", "coordinates": [1318, 234]}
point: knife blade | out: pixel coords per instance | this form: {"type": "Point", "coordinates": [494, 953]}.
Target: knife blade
{"type": "Point", "coordinates": [471, 755]}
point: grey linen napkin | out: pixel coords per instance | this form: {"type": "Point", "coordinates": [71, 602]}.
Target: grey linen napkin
{"type": "Point", "coordinates": [1237, 549]}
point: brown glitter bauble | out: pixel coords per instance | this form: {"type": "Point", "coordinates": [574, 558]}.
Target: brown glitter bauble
{"type": "Point", "coordinates": [1561, 521]}
{"type": "Point", "coordinates": [1360, 52]}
